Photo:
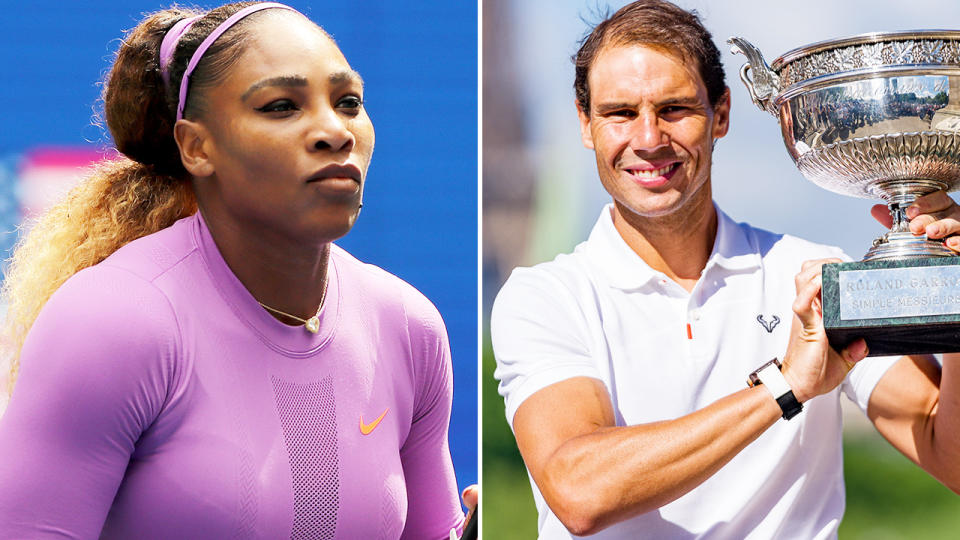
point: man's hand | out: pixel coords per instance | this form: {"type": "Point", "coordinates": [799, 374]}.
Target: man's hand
{"type": "Point", "coordinates": [934, 214]}
{"type": "Point", "coordinates": [811, 366]}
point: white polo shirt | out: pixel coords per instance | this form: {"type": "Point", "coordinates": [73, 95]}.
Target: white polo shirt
{"type": "Point", "coordinates": [663, 353]}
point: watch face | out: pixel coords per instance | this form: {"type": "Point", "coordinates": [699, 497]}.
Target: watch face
{"type": "Point", "coordinates": [754, 380]}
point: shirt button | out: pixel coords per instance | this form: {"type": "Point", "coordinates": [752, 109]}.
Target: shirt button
{"type": "Point", "coordinates": [695, 315]}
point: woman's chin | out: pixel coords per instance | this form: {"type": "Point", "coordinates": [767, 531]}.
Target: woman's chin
{"type": "Point", "coordinates": [332, 227]}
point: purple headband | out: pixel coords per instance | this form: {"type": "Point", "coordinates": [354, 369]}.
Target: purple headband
{"type": "Point", "coordinates": [169, 45]}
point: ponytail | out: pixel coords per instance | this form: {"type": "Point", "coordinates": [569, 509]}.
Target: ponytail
{"type": "Point", "coordinates": [120, 202]}
{"type": "Point", "coordinates": [140, 194]}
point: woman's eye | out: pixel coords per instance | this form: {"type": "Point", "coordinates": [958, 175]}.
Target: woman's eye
{"type": "Point", "coordinates": [350, 102]}
{"type": "Point", "coordinates": [280, 105]}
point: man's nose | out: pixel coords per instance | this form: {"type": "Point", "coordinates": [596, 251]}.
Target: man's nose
{"type": "Point", "coordinates": [647, 133]}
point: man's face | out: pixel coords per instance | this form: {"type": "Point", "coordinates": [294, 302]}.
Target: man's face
{"type": "Point", "coordinates": [652, 128]}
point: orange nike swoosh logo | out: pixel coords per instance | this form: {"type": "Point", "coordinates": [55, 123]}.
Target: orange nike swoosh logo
{"type": "Point", "coordinates": [366, 429]}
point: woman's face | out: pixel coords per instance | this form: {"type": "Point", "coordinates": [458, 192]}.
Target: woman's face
{"type": "Point", "coordinates": [288, 139]}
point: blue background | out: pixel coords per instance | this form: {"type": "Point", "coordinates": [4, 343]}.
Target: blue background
{"type": "Point", "coordinates": [419, 63]}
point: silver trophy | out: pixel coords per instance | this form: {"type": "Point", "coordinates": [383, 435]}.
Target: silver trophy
{"type": "Point", "coordinates": [876, 116]}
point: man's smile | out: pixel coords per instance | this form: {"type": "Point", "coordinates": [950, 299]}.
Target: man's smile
{"type": "Point", "coordinates": [652, 176]}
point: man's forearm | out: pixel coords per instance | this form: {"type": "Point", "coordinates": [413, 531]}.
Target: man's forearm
{"type": "Point", "coordinates": [598, 479]}
{"type": "Point", "coordinates": [943, 458]}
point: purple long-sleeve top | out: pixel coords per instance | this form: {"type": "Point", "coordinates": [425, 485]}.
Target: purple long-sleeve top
{"type": "Point", "coordinates": [157, 399]}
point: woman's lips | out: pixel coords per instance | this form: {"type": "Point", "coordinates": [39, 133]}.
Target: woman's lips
{"type": "Point", "coordinates": [337, 184]}
{"type": "Point", "coordinates": [344, 179]}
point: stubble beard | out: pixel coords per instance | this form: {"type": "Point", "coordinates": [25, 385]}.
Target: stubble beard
{"type": "Point", "coordinates": [634, 195]}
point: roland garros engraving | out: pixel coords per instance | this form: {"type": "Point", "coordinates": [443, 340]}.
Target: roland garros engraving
{"type": "Point", "coordinates": [899, 292]}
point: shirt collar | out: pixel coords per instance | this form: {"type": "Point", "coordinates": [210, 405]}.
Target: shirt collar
{"type": "Point", "coordinates": [732, 249]}
{"type": "Point", "coordinates": [624, 269]}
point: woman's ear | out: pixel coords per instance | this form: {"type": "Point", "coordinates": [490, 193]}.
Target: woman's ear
{"type": "Point", "coordinates": [192, 138]}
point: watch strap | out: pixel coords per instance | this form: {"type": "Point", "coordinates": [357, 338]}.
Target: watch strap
{"type": "Point", "coordinates": [771, 377]}
{"type": "Point", "coordinates": [789, 405]}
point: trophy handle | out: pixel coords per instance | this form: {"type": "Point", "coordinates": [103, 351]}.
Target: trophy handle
{"type": "Point", "coordinates": [761, 81]}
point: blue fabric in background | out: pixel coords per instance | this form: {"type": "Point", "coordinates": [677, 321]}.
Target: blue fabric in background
{"type": "Point", "coordinates": [419, 63]}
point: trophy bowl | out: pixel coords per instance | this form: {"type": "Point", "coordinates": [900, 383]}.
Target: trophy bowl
{"type": "Point", "coordinates": [875, 116]}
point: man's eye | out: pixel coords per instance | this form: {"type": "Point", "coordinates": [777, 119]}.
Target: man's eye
{"type": "Point", "coordinates": [280, 105]}
{"type": "Point", "coordinates": [673, 109]}
{"type": "Point", "coordinates": [625, 113]}
{"type": "Point", "coordinates": [350, 102]}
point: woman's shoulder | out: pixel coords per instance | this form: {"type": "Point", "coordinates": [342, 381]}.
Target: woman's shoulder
{"type": "Point", "coordinates": [382, 290]}
{"type": "Point", "coordinates": [109, 330]}
{"type": "Point", "coordinates": [150, 256]}
{"type": "Point", "coordinates": [123, 288]}
{"type": "Point", "coordinates": [117, 304]}
{"type": "Point", "coordinates": [114, 302]}
{"type": "Point", "coordinates": [107, 341]}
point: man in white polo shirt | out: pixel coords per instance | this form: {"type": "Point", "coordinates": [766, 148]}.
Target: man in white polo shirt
{"type": "Point", "coordinates": [623, 364]}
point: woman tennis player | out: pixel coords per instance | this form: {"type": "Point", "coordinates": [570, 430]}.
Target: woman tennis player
{"type": "Point", "coordinates": [196, 358]}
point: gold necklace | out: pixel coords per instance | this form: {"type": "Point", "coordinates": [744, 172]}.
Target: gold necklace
{"type": "Point", "coordinates": [313, 323]}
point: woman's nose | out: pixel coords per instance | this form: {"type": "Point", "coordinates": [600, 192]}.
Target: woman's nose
{"type": "Point", "coordinates": [330, 132]}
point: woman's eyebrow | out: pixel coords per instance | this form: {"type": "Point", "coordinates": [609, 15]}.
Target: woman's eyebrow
{"type": "Point", "coordinates": [345, 76]}
{"type": "Point", "coordinates": [283, 80]}
{"type": "Point", "coordinates": [290, 81]}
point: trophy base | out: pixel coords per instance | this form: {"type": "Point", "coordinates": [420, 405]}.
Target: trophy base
{"type": "Point", "coordinates": [906, 306]}
{"type": "Point", "coordinates": [905, 245]}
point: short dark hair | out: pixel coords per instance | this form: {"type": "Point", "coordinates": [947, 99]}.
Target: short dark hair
{"type": "Point", "coordinates": [658, 24]}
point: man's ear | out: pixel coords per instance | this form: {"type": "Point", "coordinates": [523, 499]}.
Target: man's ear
{"type": "Point", "coordinates": [192, 139]}
{"type": "Point", "coordinates": [721, 116]}
{"type": "Point", "coordinates": [585, 134]}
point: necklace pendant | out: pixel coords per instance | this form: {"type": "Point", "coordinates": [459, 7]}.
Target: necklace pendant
{"type": "Point", "coordinates": [313, 324]}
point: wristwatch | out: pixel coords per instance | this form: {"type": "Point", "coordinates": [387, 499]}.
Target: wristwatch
{"type": "Point", "coordinates": [770, 376]}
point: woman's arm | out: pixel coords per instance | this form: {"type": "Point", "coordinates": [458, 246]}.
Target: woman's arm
{"type": "Point", "coordinates": [433, 504]}
{"type": "Point", "coordinates": [94, 374]}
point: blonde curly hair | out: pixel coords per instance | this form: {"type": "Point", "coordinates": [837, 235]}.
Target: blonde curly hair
{"type": "Point", "coordinates": [121, 201]}
{"type": "Point", "coordinates": [125, 199]}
